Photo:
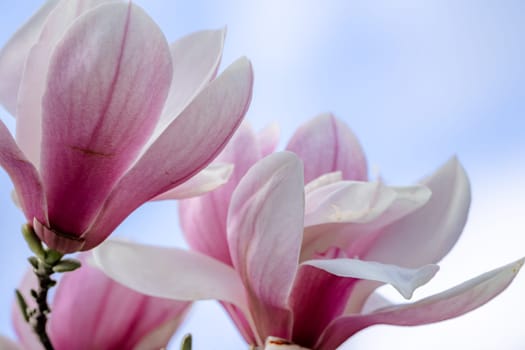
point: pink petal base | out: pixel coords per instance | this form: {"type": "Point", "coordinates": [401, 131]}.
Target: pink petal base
{"type": "Point", "coordinates": [62, 242]}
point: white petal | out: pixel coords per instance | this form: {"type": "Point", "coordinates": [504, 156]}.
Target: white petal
{"type": "Point", "coordinates": [169, 272]}
{"type": "Point", "coordinates": [323, 180]}
{"type": "Point", "coordinates": [208, 179]}
{"type": "Point", "coordinates": [402, 279]}
{"type": "Point", "coordinates": [362, 202]}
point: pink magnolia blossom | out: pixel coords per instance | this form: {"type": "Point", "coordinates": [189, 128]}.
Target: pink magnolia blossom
{"type": "Point", "coordinates": [298, 262]}
{"type": "Point", "coordinates": [91, 311]}
{"type": "Point", "coordinates": [109, 116]}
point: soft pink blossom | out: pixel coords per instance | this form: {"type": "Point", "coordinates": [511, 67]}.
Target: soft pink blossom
{"type": "Point", "coordinates": [91, 311]}
{"type": "Point", "coordinates": [109, 116]}
{"type": "Point", "coordinates": [298, 262]}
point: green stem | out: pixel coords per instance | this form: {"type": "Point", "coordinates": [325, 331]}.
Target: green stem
{"type": "Point", "coordinates": [45, 263]}
{"type": "Point", "coordinates": [45, 282]}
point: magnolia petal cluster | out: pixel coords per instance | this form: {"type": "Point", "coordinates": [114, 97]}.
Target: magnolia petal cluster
{"type": "Point", "coordinates": [91, 311]}
{"type": "Point", "coordinates": [299, 262]}
{"type": "Point", "coordinates": [109, 116]}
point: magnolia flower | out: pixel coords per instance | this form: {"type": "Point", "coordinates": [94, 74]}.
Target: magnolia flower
{"type": "Point", "coordinates": [298, 262]}
{"type": "Point", "coordinates": [91, 311]}
{"type": "Point", "coordinates": [109, 116]}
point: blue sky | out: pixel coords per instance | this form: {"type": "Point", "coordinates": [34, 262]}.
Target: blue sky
{"type": "Point", "coordinates": [418, 81]}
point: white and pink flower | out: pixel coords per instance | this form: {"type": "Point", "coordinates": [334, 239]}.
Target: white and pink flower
{"type": "Point", "coordinates": [109, 116]}
{"type": "Point", "coordinates": [299, 262]}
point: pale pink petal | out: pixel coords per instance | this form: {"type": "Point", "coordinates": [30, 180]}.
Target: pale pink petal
{"type": "Point", "coordinates": [268, 138]}
{"type": "Point", "coordinates": [170, 273]}
{"type": "Point", "coordinates": [361, 293]}
{"type": "Point", "coordinates": [404, 280]}
{"type": "Point", "coordinates": [107, 83]}
{"type": "Point", "coordinates": [323, 180]}
{"type": "Point", "coordinates": [14, 54]}
{"type": "Point", "coordinates": [265, 226]}
{"type": "Point", "coordinates": [242, 324]}
{"type": "Point", "coordinates": [24, 332]}
{"type": "Point", "coordinates": [427, 234]}
{"type": "Point", "coordinates": [206, 180]}
{"type": "Point", "coordinates": [326, 145]}
{"type": "Point", "coordinates": [274, 343]}
{"type": "Point", "coordinates": [7, 344]}
{"type": "Point", "coordinates": [209, 236]}
{"type": "Point", "coordinates": [33, 83]}
{"type": "Point", "coordinates": [115, 317]}
{"type": "Point", "coordinates": [196, 58]}
{"type": "Point", "coordinates": [449, 304]}
{"type": "Point", "coordinates": [27, 182]}
{"type": "Point", "coordinates": [189, 144]}
{"type": "Point", "coordinates": [338, 214]}
{"type": "Point", "coordinates": [362, 202]}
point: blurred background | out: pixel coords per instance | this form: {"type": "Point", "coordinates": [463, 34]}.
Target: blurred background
{"type": "Point", "coordinates": [417, 81]}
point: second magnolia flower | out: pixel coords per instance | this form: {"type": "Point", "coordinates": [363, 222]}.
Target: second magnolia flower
{"type": "Point", "coordinates": [110, 116]}
{"type": "Point", "coordinates": [299, 262]}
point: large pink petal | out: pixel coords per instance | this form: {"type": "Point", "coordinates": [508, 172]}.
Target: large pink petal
{"type": "Point", "coordinates": [326, 145]}
{"type": "Point", "coordinates": [107, 83]}
{"type": "Point", "coordinates": [190, 143]}
{"type": "Point", "coordinates": [317, 298]}
{"type": "Point", "coordinates": [14, 54]}
{"type": "Point", "coordinates": [115, 317]}
{"type": "Point", "coordinates": [170, 273]}
{"type": "Point", "coordinates": [196, 58]}
{"type": "Point", "coordinates": [427, 234]}
{"type": "Point", "coordinates": [209, 236]}
{"type": "Point", "coordinates": [33, 83]}
{"type": "Point", "coordinates": [449, 304]}
{"type": "Point", "coordinates": [28, 186]}
{"type": "Point", "coordinates": [265, 226]}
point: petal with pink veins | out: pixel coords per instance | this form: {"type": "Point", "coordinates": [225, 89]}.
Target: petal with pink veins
{"type": "Point", "coordinates": [189, 144]}
{"type": "Point", "coordinates": [208, 179]}
{"type": "Point", "coordinates": [427, 234]}
{"type": "Point", "coordinates": [326, 145]}
{"type": "Point", "coordinates": [27, 182]}
{"type": "Point", "coordinates": [320, 293]}
{"type": "Point", "coordinates": [14, 54]}
{"type": "Point", "coordinates": [34, 78]}
{"type": "Point", "coordinates": [196, 58]}
{"type": "Point", "coordinates": [209, 236]}
{"type": "Point", "coordinates": [265, 226]}
{"type": "Point", "coordinates": [107, 83]}
{"type": "Point", "coordinates": [115, 317]}
{"type": "Point", "coordinates": [446, 305]}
